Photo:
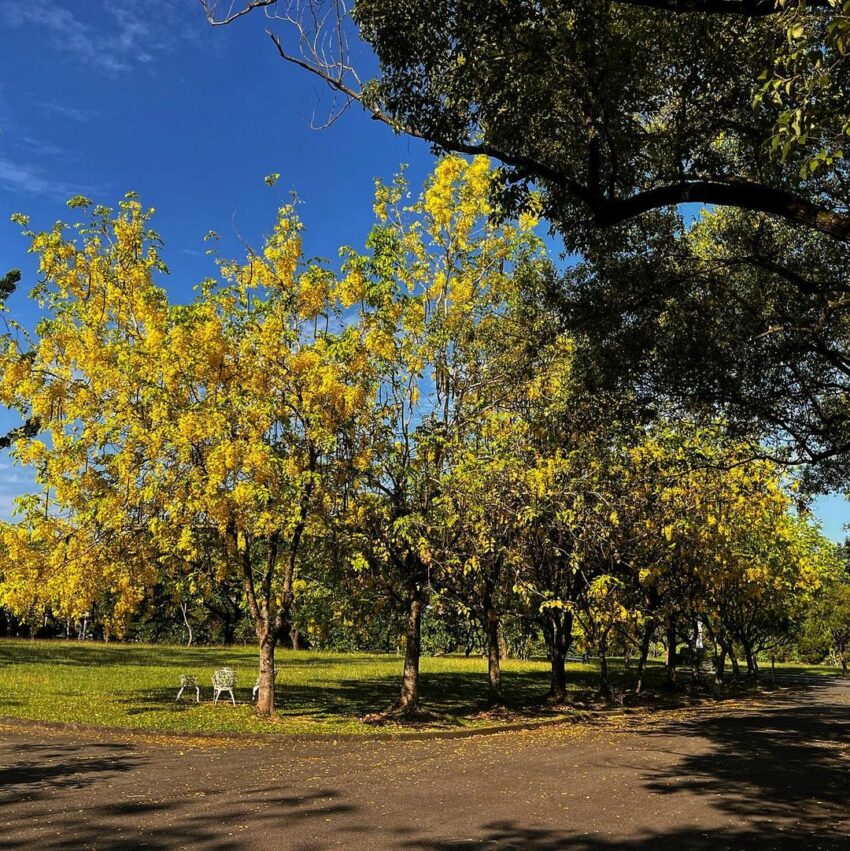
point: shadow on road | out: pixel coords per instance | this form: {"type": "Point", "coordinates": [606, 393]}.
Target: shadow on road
{"type": "Point", "coordinates": [784, 772]}
{"type": "Point", "coordinates": [509, 835]}
{"type": "Point", "coordinates": [41, 769]}
{"type": "Point", "coordinates": [776, 777]}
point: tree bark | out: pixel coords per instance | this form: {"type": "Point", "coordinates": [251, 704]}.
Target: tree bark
{"type": "Point", "coordinates": [184, 609]}
{"type": "Point", "coordinates": [408, 702]}
{"type": "Point", "coordinates": [720, 666]}
{"type": "Point", "coordinates": [494, 668]}
{"type": "Point", "coordinates": [736, 668]}
{"type": "Point", "coordinates": [295, 638]}
{"type": "Point", "coordinates": [646, 638]}
{"type": "Point", "coordinates": [558, 634]}
{"type": "Point", "coordinates": [671, 654]}
{"type": "Point", "coordinates": [752, 664]}
{"type": "Point", "coordinates": [265, 696]}
{"type": "Point", "coordinates": [605, 689]}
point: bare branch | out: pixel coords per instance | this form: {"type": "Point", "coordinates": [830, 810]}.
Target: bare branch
{"type": "Point", "coordinates": [211, 10]}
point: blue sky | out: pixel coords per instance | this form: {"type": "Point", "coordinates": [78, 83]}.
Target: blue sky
{"type": "Point", "coordinates": [100, 97]}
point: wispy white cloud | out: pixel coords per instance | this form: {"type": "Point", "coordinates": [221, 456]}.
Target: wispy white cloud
{"type": "Point", "coordinates": [41, 148]}
{"type": "Point", "coordinates": [25, 179]}
{"type": "Point", "coordinates": [115, 37]}
{"type": "Point", "coordinates": [66, 30]}
{"type": "Point", "coordinates": [64, 110]}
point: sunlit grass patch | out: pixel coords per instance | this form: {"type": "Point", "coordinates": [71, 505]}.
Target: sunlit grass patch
{"type": "Point", "coordinates": [135, 685]}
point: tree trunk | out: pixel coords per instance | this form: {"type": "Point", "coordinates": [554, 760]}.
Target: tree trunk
{"type": "Point", "coordinates": [184, 609]}
{"type": "Point", "coordinates": [558, 633]}
{"type": "Point", "coordinates": [408, 702]}
{"type": "Point", "coordinates": [648, 629]}
{"type": "Point", "coordinates": [494, 669]}
{"type": "Point", "coordinates": [752, 665]}
{"type": "Point", "coordinates": [695, 674]}
{"type": "Point", "coordinates": [605, 689]}
{"type": "Point", "coordinates": [265, 696]}
{"type": "Point", "coordinates": [671, 655]}
{"type": "Point", "coordinates": [720, 666]}
{"type": "Point", "coordinates": [736, 669]}
{"type": "Point", "coordinates": [295, 638]}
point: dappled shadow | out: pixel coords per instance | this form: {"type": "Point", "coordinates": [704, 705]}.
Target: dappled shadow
{"type": "Point", "coordinates": [772, 763]}
{"type": "Point", "coordinates": [451, 696]}
{"type": "Point", "coordinates": [91, 653]}
{"type": "Point", "coordinates": [210, 818]}
{"type": "Point", "coordinates": [773, 777]}
{"type": "Point", "coordinates": [38, 769]}
{"type": "Point", "coordinates": [512, 835]}
{"type": "Point", "coordinates": [144, 701]}
{"type": "Point", "coordinates": [84, 654]}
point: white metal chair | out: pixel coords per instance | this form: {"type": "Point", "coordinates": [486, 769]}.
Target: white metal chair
{"type": "Point", "coordinates": [256, 688]}
{"type": "Point", "coordinates": [224, 679]}
{"type": "Point", "coordinates": [189, 681]}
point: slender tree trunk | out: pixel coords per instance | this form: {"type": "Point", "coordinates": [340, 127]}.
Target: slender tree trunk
{"type": "Point", "coordinates": [265, 696]}
{"type": "Point", "coordinates": [494, 668]}
{"type": "Point", "coordinates": [605, 689]}
{"type": "Point", "coordinates": [504, 648]}
{"type": "Point", "coordinates": [558, 633]}
{"type": "Point", "coordinates": [736, 668]}
{"type": "Point", "coordinates": [720, 666]}
{"type": "Point", "coordinates": [752, 664]}
{"type": "Point", "coordinates": [671, 654]}
{"type": "Point", "coordinates": [295, 638]}
{"type": "Point", "coordinates": [842, 658]}
{"type": "Point", "coordinates": [694, 662]}
{"type": "Point", "coordinates": [648, 629]}
{"type": "Point", "coordinates": [184, 609]}
{"type": "Point", "coordinates": [408, 702]}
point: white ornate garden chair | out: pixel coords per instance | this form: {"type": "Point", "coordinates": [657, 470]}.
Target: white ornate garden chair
{"type": "Point", "coordinates": [189, 681]}
{"type": "Point", "coordinates": [224, 679]}
{"type": "Point", "coordinates": [256, 688]}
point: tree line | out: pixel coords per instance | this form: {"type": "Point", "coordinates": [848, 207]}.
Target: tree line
{"type": "Point", "coordinates": [417, 434]}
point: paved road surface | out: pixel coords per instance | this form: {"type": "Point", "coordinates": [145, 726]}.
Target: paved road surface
{"type": "Point", "coordinates": [773, 776]}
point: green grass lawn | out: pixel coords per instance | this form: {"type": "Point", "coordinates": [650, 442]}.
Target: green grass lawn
{"type": "Point", "coordinates": [134, 685]}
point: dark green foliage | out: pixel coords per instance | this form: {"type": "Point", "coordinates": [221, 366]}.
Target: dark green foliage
{"type": "Point", "coordinates": [9, 283]}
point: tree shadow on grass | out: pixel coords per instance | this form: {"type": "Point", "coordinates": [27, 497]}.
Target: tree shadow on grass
{"type": "Point", "coordinates": [452, 696]}
{"type": "Point", "coordinates": [81, 654]}
{"type": "Point", "coordinates": [77, 653]}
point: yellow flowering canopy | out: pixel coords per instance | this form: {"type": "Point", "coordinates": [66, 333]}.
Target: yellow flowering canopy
{"type": "Point", "coordinates": [165, 425]}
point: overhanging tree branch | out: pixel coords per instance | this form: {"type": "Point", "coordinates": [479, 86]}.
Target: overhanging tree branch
{"type": "Point", "coordinates": [606, 211]}
{"type": "Point", "coordinates": [742, 194]}
{"type": "Point", "coordinates": [745, 8]}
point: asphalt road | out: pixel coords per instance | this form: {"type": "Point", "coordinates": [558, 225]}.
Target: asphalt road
{"type": "Point", "coordinates": [776, 775]}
